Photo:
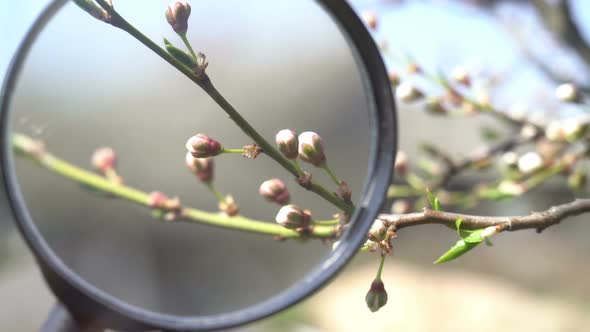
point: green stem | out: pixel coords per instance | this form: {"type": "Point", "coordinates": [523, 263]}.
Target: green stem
{"type": "Point", "coordinates": [234, 151]}
{"type": "Point", "coordinates": [331, 174]}
{"type": "Point", "coordinates": [205, 83]}
{"type": "Point", "coordinates": [27, 146]}
{"type": "Point", "coordinates": [297, 166]}
{"type": "Point", "coordinates": [380, 270]}
{"type": "Point", "coordinates": [188, 45]}
{"type": "Point", "coordinates": [218, 195]}
{"type": "Point", "coordinates": [327, 222]}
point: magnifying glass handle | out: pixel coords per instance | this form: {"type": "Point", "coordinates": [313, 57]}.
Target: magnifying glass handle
{"type": "Point", "coordinates": [60, 320]}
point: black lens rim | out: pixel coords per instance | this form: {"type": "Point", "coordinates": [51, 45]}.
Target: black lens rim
{"type": "Point", "coordinates": [84, 300]}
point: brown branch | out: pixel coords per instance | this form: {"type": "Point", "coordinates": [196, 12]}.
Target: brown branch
{"type": "Point", "coordinates": [454, 168]}
{"type": "Point", "coordinates": [535, 220]}
{"type": "Point", "coordinates": [558, 20]}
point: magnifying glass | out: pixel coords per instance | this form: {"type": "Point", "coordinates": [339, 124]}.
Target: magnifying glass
{"type": "Point", "coordinates": [200, 181]}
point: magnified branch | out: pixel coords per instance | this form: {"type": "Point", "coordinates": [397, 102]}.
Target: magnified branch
{"type": "Point", "coordinates": [35, 150]}
{"type": "Point", "coordinates": [199, 77]}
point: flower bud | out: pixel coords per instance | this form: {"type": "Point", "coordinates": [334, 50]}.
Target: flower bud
{"type": "Point", "coordinates": [229, 206]}
{"type": "Point", "coordinates": [201, 167]}
{"type": "Point", "coordinates": [394, 79]}
{"type": "Point", "coordinates": [401, 206]}
{"type": "Point", "coordinates": [104, 159]}
{"type": "Point", "coordinates": [177, 15]}
{"type": "Point", "coordinates": [311, 149]}
{"type": "Point", "coordinates": [292, 217]}
{"type": "Point", "coordinates": [408, 93]}
{"type": "Point", "coordinates": [370, 20]}
{"type": "Point", "coordinates": [554, 131]}
{"type": "Point", "coordinates": [510, 159]}
{"type": "Point", "coordinates": [568, 93]}
{"type": "Point", "coordinates": [461, 76]}
{"type": "Point", "coordinates": [288, 143]}
{"type": "Point", "coordinates": [401, 163]}
{"type": "Point", "coordinates": [529, 162]}
{"type": "Point", "coordinates": [203, 146]}
{"type": "Point", "coordinates": [159, 200]}
{"type": "Point", "coordinates": [434, 106]}
{"type": "Point", "coordinates": [274, 190]}
{"type": "Point", "coordinates": [377, 296]}
{"type": "Point", "coordinates": [202, 64]}
{"type": "Point", "coordinates": [378, 231]}
{"type": "Point", "coordinates": [511, 188]}
{"type": "Point", "coordinates": [574, 129]}
{"type": "Point", "coordinates": [577, 180]}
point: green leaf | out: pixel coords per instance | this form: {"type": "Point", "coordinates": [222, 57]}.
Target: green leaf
{"type": "Point", "coordinates": [459, 249]}
{"type": "Point", "coordinates": [180, 55]}
{"type": "Point", "coordinates": [488, 243]}
{"type": "Point", "coordinates": [458, 225]}
{"type": "Point", "coordinates": [474, 237]}
{"type": "Point", "coordinates": [434, 202]}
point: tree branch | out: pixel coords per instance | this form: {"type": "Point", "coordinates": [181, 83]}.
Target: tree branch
{"type": "Point", "coordinates": [535, 220]}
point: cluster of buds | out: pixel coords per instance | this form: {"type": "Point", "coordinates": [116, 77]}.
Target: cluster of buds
{"type": "Point", "coordinates": [380, 235]}
{"type": "Point", "coordinates": [293, 217]}
{"type": "Point", "coordinates": [104, 161]}
{"type": "Point", "coordinates": [201, 167]}
{"type": "Point", "coordinates": [376, 296]}
{"type": "Point", "coordinates": [168, 208]}
{"type": "Point", "coordinates": [203, 146]}
{"type": "Point", "coordinates": [568, 130]}
{"type": "Point", "coordinates": [177, 15]}
{"type": "Point", "coordinates": [309, 146]}
{"type": "Point", "coordinates": [275, 191]}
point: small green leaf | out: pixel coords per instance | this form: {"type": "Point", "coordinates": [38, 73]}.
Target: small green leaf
{"type": "Point", "coordinates": [180, 55]}
{"type": "Point", "coordinates": [458, 225]}
{"type": "Point", "coordinates": [474, 237]}
{"type": "Point", "coordinates": [459, 249]}
{"type": "Point", "coordinates": [488, 243]}
{"type": "Point", "coordinates": [434, 202]}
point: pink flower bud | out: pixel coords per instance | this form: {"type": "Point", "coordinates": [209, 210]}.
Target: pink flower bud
{"type": "Point", "coordinates": [292, 217]}
{"type": "Point", "coordinates": [157, 199]}
{"type": "Point", "coordinates": [177, 15]}
{"type": "Point", "coordinates": [274, 190]}
{"type": "Point", "coordinates": [311, 149]}
{"type": "Point", "coordinates": [287, 142]}
{"type": "Point", "coordinates": [201, 167]}
{"type": "Point", "coordinates": [203, 146]}
{"type": "Point", "coordinates": [377, 296]}
{"type": "Point", "coordinates": [104, 159]}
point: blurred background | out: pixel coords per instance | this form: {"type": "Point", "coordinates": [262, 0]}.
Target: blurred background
{"type": "Point", "coordinates": [69, 100]}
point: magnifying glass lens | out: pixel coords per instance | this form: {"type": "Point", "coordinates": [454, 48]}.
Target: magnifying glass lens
{"type": "Point", "coordinates": [100, 128]}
